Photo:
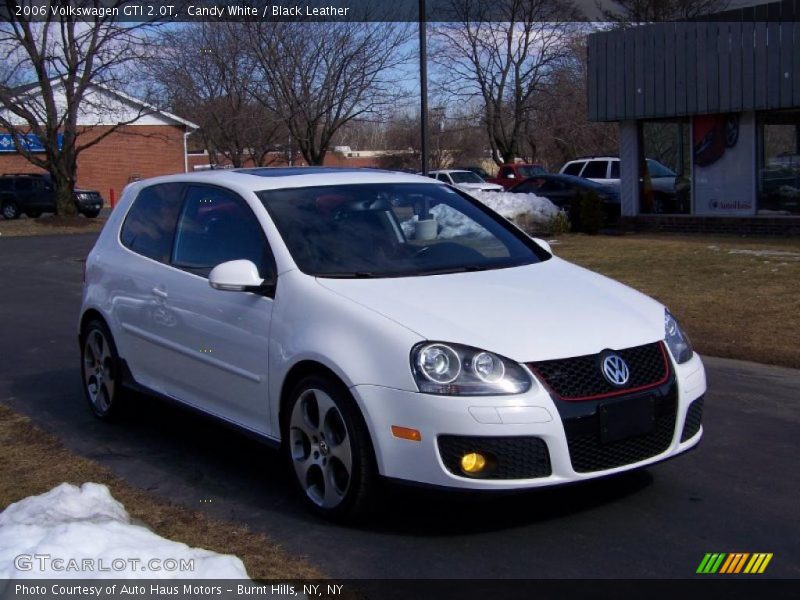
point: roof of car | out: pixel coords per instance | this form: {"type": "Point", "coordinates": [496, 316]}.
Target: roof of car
{"type": "Point", "coordinates": [437, 171]}
{"type": "Point", "coordinates": [264, 178]}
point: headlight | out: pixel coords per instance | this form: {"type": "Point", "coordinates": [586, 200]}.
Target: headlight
{"type": "Point", "coordinates": [456, 370]}
{"type": "Point", "coordinates": [676, 339]}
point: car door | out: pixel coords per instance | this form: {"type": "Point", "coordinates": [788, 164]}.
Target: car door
{"type": "Point", "coordinates": [219, 351]}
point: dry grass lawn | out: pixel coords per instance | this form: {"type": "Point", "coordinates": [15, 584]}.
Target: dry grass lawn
{"type": "Point", "coordinates": [49, 225]}
{"type": "Point", "coordinates": [33, 462]}
{"type": "Point", "coordinates": [735, 297]}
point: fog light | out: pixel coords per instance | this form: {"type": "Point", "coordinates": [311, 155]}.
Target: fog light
{"type": "Point", "coordinates": [473, 462]}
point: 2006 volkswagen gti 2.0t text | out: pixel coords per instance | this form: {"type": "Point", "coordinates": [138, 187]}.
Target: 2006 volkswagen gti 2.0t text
{"type": "Point", "coordinates": [380, 324]}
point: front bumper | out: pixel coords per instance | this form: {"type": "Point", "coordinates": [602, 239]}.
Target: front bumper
{"type": "Point", "coordinates": [531, 415]}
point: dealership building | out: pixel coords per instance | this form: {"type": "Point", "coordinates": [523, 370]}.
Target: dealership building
{"type": "Point", "coordinates": [717, 103]}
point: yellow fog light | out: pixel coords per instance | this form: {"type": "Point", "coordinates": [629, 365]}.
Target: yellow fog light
{"type": "Point", "coordinates": [473, 462]}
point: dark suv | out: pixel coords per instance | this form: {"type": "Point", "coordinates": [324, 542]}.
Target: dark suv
{"type": "Point", "coordinates": [34, 194]}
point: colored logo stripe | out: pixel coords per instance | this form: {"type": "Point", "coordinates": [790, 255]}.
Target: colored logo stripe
{"type": "Point", "coordinates": [733, 563]}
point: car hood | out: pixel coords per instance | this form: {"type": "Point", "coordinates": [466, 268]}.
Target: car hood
{"type": "Point", "coordinates": [479, 186]}
{"type": "Point", "coordinates": [536, 312]}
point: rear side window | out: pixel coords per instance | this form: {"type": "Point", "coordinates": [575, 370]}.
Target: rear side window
{"type": "Point", "coordinates": [596, 169]}
{"type": "Point", "coordinates": [443, 177]}
{"type": "Point", "coordinates": [614, 169]}
{"type": "Point", "coordinates": [5, 184]}
{"type": "Point", "coordinates": [506, 173]}
{"type": "Point", "coordinates": [216, 226]}
{"type": "Point", "coordinates": [573, 168]}
{"type": "Point", "coordinates": [150, 223]}
{"type": "Point", "coordinates": [24, 184]}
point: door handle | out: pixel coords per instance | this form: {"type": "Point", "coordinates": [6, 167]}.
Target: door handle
{"type": "Point", "coordinates": [160, 293]}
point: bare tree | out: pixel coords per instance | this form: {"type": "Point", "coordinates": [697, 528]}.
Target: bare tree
{"type": "Point", "coordinates": [321, 76]}
{"type": "Point", "coordinates": [632, 12]}
{"type": "Point", "coordinates": [502, 63]}
{"type": "Point", "coordinates": [207, 74]}
{"type": "Point", "coordinates": [53, 68]}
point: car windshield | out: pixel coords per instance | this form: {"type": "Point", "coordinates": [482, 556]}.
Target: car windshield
{"type": "Point", "coordinates": [465, 177]}
{"type": "Point", "coordinates": [394, 230]}
{"type": "Point", "coordinates": [656, 169]}
{"type": "Point", "coordinates": [529, 171]}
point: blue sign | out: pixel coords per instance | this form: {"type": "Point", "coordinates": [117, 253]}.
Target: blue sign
{"type": "Point", "coordinates": [29, 141]}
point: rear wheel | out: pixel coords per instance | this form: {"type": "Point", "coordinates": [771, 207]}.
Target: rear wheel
{"type": "Point", "coordinates": [102, 384]}
{"type": "Point", "coordinates": [34, 214]}
{"type": "Point", "coordinates": [91, 214]}
{"type": "Point", "coordinates": [329, 449]}
{"type": "Point", "coordinates": [10, 210]}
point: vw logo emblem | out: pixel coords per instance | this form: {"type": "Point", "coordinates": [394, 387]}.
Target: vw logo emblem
{"type": "Point", "coordinates": [615, 370]}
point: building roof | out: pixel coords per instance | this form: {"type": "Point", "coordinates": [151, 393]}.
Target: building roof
{"type": "Point", "coordinates": [106, 106]}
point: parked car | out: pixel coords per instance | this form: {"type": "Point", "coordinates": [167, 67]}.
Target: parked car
{"type": "Point", "coordinates": [466, 180]}
{"type": "Point", "coordinates": [513, 173]}
{"type": "Point", "coordinates": [562, 190]}
{"type": "Point", "coordinates": [315, 308]}
{"type": "Point", "coordinates": [669, 193]}
{"type": "Point", "coordinates": [34, 194]}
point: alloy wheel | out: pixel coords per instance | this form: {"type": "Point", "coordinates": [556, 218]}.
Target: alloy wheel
{"type": "Point", "coordinates": [98, 371]}
{"type": "Point", "coordinates": [321, 448]}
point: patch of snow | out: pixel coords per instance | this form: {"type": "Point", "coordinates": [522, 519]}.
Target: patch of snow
{"type": "Point", "coordinates": [77, 524]}
{"type": "Point", "coordinates": [539, 209]}
{"type": "Point", "coordinates": [768, 253]}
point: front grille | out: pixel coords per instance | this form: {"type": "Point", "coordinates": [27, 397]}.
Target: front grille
{"type": "Point", "coordinates": [588, 453]}
{"type": "Point", "coordinates": [509, 457]}
{"type": "Point", "coordinates": [694, 418]}
{"type": "Point", "coordinates": [581, 377]}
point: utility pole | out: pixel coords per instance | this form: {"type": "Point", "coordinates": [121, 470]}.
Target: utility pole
{"type": "Point", "coordinates": [423, 85]}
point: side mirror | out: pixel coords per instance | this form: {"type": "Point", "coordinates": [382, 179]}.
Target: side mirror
{"type": "Point", "coordinates": [237, 276]}
{"type": "Point", "coordinates": [543, 245]}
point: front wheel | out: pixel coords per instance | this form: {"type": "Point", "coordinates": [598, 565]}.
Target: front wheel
{"type": "Point", "coordinates": [10, 210]}
{"type": "Point", "coordinates": [100, 368]}
{"type": "Point", "coordinates": [329, 449]}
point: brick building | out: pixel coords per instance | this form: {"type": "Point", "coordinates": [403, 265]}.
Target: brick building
{"type": "Point", "coordinates": [149, 143]}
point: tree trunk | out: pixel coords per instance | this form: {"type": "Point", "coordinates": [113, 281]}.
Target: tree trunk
{"type": "Point", "coordinates": [65, 201]}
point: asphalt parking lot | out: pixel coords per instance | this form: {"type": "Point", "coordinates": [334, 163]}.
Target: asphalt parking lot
{"type": "Point", "coordinates": [736, 493]}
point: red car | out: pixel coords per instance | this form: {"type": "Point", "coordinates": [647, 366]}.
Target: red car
{"type": "Point", "coordinates": [510, 174]}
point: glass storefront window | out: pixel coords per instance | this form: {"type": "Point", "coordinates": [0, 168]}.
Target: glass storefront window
{"type": "Point", "coordinates": [779, 163]}
{"type": "Point", "coordinates": [665, 168]}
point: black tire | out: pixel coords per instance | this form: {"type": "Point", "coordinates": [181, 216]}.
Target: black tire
{"type": "Point", "coordinates": [102, 379]}
{"type": "Point", "coordinates": [91, 214]}
{"type": "Point", "coordinates": [352, 499]}
{"type": "Point", "coordinates": [33, 214]}
{"type": "Point", "coordinates": [9, 209]}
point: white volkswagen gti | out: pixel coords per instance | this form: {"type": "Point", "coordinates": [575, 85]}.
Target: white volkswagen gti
{"type": "Point", "coordinates": [380, 324]}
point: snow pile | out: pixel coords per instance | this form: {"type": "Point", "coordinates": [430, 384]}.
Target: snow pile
{"type": "Point", "coordinates": [511, 206]}
{"type": "Point", "coordinates": [454, 224]}
{"type": "Point", "coordinates": [85, 533]}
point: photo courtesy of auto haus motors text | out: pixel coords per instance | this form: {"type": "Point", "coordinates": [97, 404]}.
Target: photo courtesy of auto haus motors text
{"type": "Point", "coordinates": [429, 299]}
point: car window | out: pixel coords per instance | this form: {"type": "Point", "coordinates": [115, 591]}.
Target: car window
{"type": "Point", "coordinates": [150, 222]}
{"type": "Point", "coordinates": [506, 173]}
{"type": "Point", "coordinates": [443, 177]}
{"type": "Point", "coordinates": [5, 184]}
{"type": "Point", "coordinates": [465, 177]}
{"type": "Point", "coordinates": [216, 226]}
{"type": "Point", "coordinates": [614, 169]}
{"type": "Point", "coordinates": [393, 230]}
{"type": "Point", "coordinates": [596, 169]}
{"type": "Point", "coordinates": [24, 184]}
{"type": "Point", "coordinates": [574, 168]}
{"type": "Point", "coordinates": [530, 170]}
{"type": "Point", "coordinates": [527, 187]}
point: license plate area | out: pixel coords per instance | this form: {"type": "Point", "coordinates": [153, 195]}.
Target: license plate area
{"type": "Point", "coordinates": [625, 419]}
